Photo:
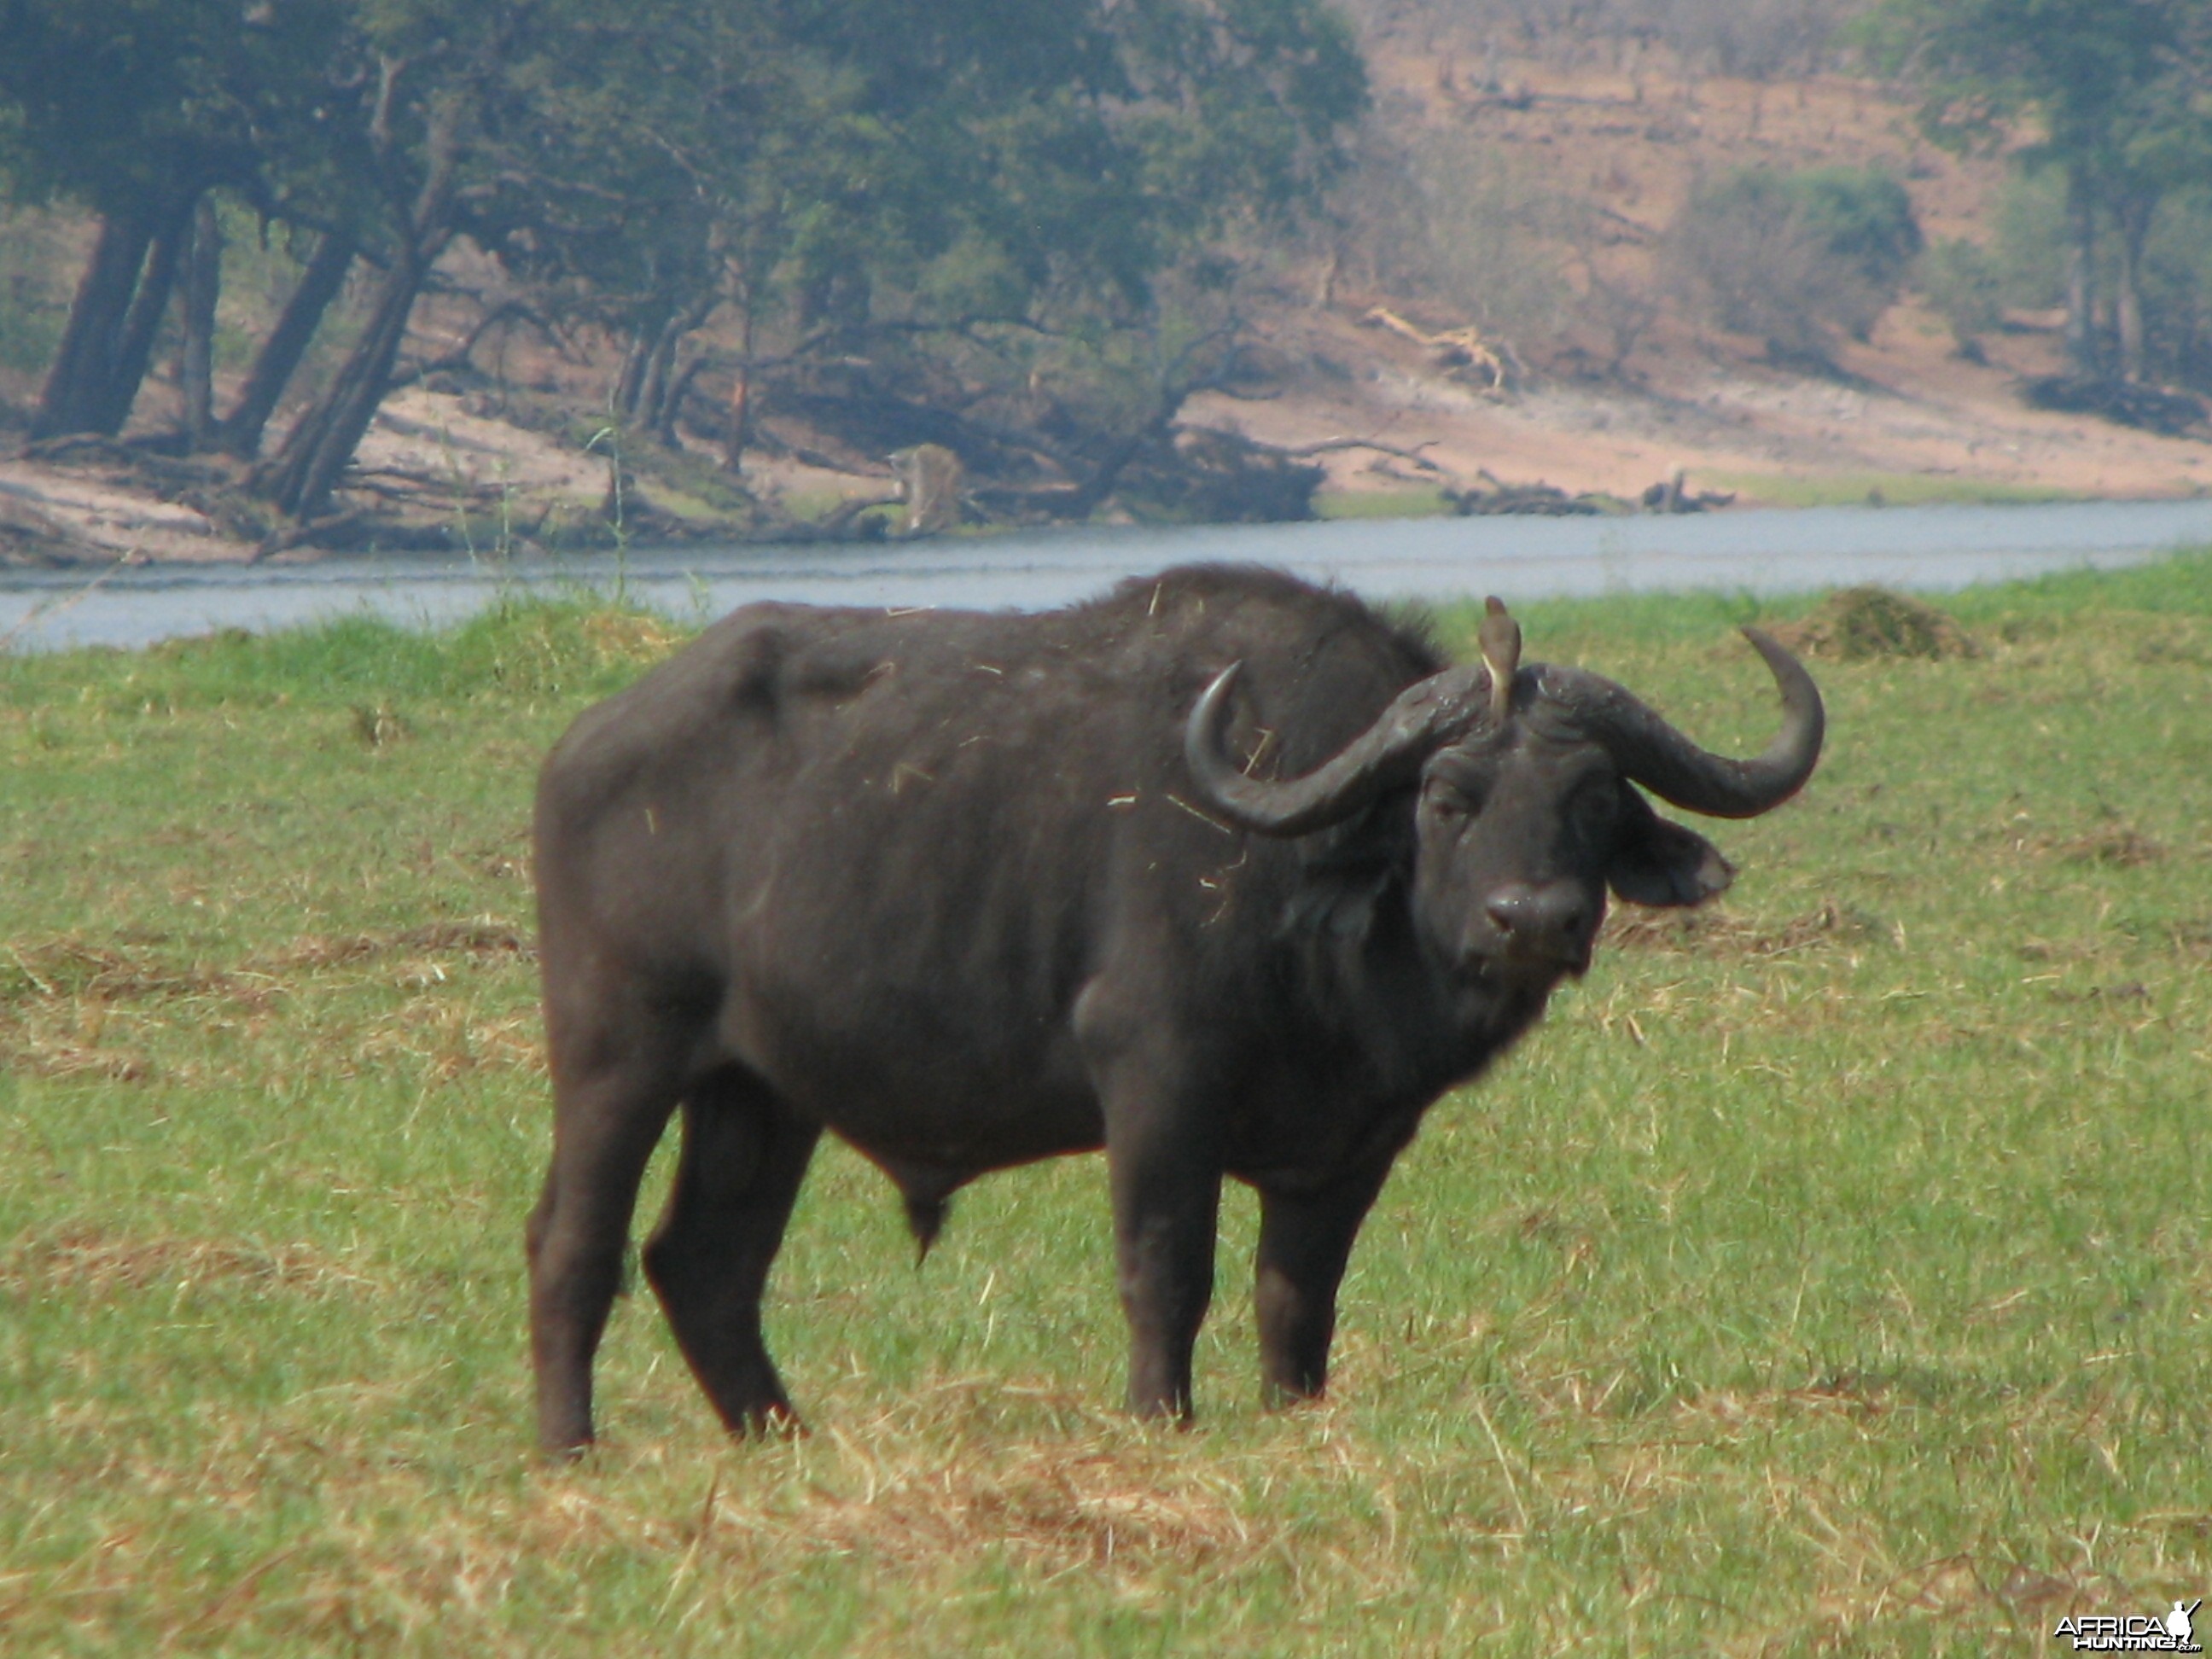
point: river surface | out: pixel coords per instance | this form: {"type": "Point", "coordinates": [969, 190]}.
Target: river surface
{"type": "Point", "coordinates": [1765, 552]}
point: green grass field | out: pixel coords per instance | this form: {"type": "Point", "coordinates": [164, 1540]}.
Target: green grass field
{"type": "Point", "coordinates": [1830, 1274]}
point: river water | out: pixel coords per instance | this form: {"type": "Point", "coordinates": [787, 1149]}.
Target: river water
{"type": "Point", "coordinates": [1927, 547]}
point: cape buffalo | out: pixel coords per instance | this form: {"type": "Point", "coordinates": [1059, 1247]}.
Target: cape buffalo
{"type": "Point", "coordinates": [1223, 872]}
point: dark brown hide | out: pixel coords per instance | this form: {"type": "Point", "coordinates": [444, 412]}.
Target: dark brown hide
{"type": "Point", "coordinates": [944, 885]}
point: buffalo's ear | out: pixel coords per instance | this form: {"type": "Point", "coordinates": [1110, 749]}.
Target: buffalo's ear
{"type": "Point", "coordinates": [1658, 862]}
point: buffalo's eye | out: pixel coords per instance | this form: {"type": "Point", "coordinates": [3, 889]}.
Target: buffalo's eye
{"type": "Point", "coordinates": [1451, 800]}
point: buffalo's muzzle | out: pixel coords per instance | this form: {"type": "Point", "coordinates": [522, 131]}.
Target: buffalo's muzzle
{"type": "Point", "coordinates": [1550, 924]}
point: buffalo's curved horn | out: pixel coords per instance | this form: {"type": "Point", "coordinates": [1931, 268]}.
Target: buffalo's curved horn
{"type": "Point", "coordinates": [1426, 715]}
{"type": "Point", "coordinates": [1653, 753]}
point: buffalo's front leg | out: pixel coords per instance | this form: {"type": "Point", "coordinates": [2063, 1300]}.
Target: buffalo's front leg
{"type": "Point", "coordinates": [744, 1158]}
{"type": "Point", "coordinates": [1166, 1198]}
{"type": "Point", "coordinates": [1164, 1163]}
{"type": "Point", "coordinates": [1165, 1173]}
{"type": "Point", "coordinates": [1305, 1240]}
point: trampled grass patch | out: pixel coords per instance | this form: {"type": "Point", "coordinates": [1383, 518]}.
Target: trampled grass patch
{"type": "Point", "coordinates": [1829, 1274]}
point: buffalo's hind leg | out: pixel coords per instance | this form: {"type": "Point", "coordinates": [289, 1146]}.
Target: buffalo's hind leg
{"type": "Point", "coordinates": [612, 1101]}
{"type": "Point", "coordinates": [745, 1155]}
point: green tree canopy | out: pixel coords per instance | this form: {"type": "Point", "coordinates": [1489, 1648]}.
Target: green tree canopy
{"type": "Point", "coordinates": [135, 109]}
{"type": "Point", "coordinates": [2118, 94]}
{"type": "Point", "coordinates": [843, 165]}
{"type": "Point", "coordinates": [1790, 255]}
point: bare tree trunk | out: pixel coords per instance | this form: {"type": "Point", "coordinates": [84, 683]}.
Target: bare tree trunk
{"type": "Point", "coordinates": [629, 385]}
{"type": "Point", "coordinates": [674, 384]}
{"type": "Point", "coordinates": [1091, 492]}
{"type": "Point", "coordinates": [2133, 213]}
{"type": "Point", "coordinates": [286, 347]}
{"type": "Point", "coordinates": [1178, 384]}
{"type": "Point", "coordinates": [671, 403]}
{"type": "Point", "coordinates": [298, 478]}
{"type": "Point", "coordinates": [85, 363]}
{"type": "Point", "coordinates": [653, 385]}
{"type": "Point", "coordinates": [2081, 252]}
{"type": "Point", "coordinates": [142, 323]}
{"type": "Point", "coordinates": [202, 288]}
{"type": "Point", "coordinates": [112, 322]}
{"type": "Point", "coordinates": [741, 394]}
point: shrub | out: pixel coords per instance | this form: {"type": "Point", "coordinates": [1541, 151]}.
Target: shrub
{"type": "Point", "coordinates": [1863, 216]}
{"type": "Point", "coordinates": [1790, 257]}
{"type": "Point", "coordinates": [1444, 217]}
{"type": "Point", "coordinates": [1964, 284]}
{"type": "Point", "coordinates": [2031, 244]}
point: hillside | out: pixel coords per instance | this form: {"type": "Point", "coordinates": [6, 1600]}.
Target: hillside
{"type": "Point", "coordinates": [1906, 415]}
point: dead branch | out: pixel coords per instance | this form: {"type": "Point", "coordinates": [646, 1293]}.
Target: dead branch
{"type": "Point", "coordinates": [462, 356]}
{"type": "Point", "coordinates": [1453, 351]}
{"type": "Point", "coordinates": [368, 478]}
{"type": "Point", "coordinates": [1303, 452]}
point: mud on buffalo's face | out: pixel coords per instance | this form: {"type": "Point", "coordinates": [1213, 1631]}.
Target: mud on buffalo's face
{"type": "Point", "coordinates": [1526, 809]}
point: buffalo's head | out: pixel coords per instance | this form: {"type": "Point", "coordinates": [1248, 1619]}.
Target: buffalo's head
{"type": "Point", "coordinates": [1525, 811]}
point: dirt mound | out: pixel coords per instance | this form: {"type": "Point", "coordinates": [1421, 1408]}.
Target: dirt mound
{"type": "Point", "coordinates": [1855, 624]}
